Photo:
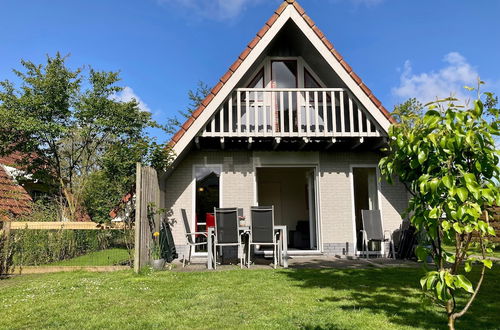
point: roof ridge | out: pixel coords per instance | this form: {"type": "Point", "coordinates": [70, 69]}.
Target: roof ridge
{"type": "Point", "coordinates": [251, 45]}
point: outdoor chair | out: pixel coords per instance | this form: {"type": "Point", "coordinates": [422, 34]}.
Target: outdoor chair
{"type": "Point", "coordinates": [191, 238]}
{"type": "Point", "coordinates": [373, 231]}
{"type": "Point", "coordinates": [262, 231]}
{"type": "Point", "coordinates": [227, 231]}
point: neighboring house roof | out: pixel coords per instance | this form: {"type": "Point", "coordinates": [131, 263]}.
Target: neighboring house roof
{"type": "Point", "coordinates": [122, 205]}
{"type": "Point", "coordinates": [14, 199]}
{"type": "Point", "coordinates": [252, 46]}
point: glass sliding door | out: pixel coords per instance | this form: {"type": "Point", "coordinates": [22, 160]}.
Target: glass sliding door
{"type": "Point", "coordinates": [365, 195]}
{"type": "Point", "coordinates": [207, 196]}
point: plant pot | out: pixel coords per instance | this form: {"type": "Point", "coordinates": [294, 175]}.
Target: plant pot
{"type": "Point", "coordinates": [158, 264]}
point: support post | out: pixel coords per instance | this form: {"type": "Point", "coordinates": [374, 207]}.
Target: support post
{"type": "Point", "coordinates": [6, 247]}
{"type": "Point", "coordinates": [138, 220]}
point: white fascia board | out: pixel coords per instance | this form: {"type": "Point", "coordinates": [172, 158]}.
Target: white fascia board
{"type": "Point", "coordinates": [228, 87]}
{"type": "Point", "coordinates": [340, 71]}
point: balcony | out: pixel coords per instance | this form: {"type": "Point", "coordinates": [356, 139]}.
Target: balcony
{"type": "Point", "coordinates": [294, 112]}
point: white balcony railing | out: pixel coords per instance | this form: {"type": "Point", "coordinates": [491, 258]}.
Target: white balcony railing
{"type": "Point", "coordinates": [301, 112]}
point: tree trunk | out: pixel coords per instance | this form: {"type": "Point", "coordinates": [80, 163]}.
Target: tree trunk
{"type": "Point", "coordinates": [451, 322]}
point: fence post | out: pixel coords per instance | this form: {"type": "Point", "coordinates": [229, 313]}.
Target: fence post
{"type": "Point", "coordinates": [138, 218]}
{"type": "Point", "coordinates": [4, 267]}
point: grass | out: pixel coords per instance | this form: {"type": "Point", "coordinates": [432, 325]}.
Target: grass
{"type": "Point", "coordinates": [282, 299]}
{"type": "Point", "coordinates": [109, 257]}
{"type": "Point", "coordinates": [476, 251]}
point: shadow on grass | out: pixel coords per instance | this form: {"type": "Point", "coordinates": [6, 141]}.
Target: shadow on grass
{"type": "Point", "coordinates": [395, 293]}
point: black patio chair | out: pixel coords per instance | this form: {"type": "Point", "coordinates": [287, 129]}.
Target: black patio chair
{"type": "Point", "coordinates": [262, 231]}
{"type": "Point", "coordinates": [373, 231]}
{"type": "Point", "coordinates": [227, 231]}
{"type": "Point", "coordinates": [191, 238]}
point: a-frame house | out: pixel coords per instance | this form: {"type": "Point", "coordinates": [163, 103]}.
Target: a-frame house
{"type": "Point", "coordinates": [291, 125]}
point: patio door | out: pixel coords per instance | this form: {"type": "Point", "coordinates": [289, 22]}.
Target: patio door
{"type": "Point", "coordinates": [292, 192]}
{"type": "Point", "coordinates": [365, 195]}
{"type": "Point", "coordinates": [311, 197]}
{"type": "Point", "coordinates": [207, 197]}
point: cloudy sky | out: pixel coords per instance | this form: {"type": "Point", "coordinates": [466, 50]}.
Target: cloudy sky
{"type": "Point", "coordinates": [401, 49]}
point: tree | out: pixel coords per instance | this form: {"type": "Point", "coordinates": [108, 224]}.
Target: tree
{"type": "Point", "coordinates": [448, 161]}
{"type": "Point", "coordinates": [195, 98]}
{"type": "Point", "coordinates": [71, 126]}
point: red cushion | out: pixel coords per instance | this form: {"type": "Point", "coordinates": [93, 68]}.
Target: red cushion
{"type": "Point", "coordinates": [210, 220]}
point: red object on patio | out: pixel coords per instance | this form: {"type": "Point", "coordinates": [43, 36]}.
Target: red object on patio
{"type": "Point", "coordinates": [210, 220]}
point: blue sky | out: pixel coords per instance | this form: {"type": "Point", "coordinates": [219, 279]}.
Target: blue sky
{"type": "Point", "coordinates": [400, 48]}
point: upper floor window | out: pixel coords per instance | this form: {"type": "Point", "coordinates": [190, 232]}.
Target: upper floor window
{"type": "Point", "coordinates": [258, 80]}
{"type": "Point", "coordinates": [284, 74]}
{"type": "Point", "coordinates": [309, 81]}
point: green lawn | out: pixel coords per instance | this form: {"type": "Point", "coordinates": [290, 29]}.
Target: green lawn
{"type": "Point", "coordinates": [310, 299]}
{"type": "Point", "coordinates": [109, 257]}
{"type": "Point", "coordinates": [476, 251]}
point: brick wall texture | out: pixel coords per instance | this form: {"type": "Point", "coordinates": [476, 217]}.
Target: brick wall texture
{"type": "Point", "coordinates": [238, 190]}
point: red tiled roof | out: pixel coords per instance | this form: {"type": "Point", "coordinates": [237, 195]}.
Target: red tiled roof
{"type": "Point", "coordinates": [252, 45]}
{"type": "Point", "coordinates": [14, 199]}
{"type": "Point", "coordinates": [125, 199]}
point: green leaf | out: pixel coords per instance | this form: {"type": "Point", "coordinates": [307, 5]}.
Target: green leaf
{"type": "Point", "coordinates": [478, 108]}
{"type": "Point", "coordinates": [434, 213]}
{"type": "Point", "coordinates": [478, 166]}
{"type": "Point", "coordinates": [448, 181]}
{"type": "Point", "coordinates": [468, 266]}
{"type": "Point", "coordinates": [422, 157]}
{"type": "Point", "coordinates": [487, 262]}
{"type": "Point", "coordinates": [463, 282]}
{"type": "Point", "coordinates": [470, 178]}
{"type": "Point", "coordinates": [434, 184]}
{"type": "Point", "coordinates": [421, 253]}
{"type": "Point", "coordinates": [449, 280]}
{"type": "Point", "coordinates": [457, 227]}
{"type": "Point", "coordinates": [462, 193]}
{"type": "Point", "coordinates": [446, 225]}
{"type": "Point", "coordinates": [423, 281]}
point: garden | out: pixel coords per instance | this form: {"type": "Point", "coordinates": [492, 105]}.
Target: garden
{"type": "Point", "coordinates": [372, 298]}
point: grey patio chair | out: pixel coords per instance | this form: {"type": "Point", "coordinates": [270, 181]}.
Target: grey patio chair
{"type": "Point", "coordinates": [227, 231]}
{"type": "Point", "coordinates": [262, 231]}
{"type": "Point", "coordinates": [191, 238]}
{"type": "Point", "coordinates": [373, 231]}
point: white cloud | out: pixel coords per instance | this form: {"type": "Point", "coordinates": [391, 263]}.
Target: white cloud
{"type": "Point", "coordinates": [213, 9]}
{"type": "Point", "coordinates": [449, 80]}
{"type": "Point", "coordinates": [127, 94]}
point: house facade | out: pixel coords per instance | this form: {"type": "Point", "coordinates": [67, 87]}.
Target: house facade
{"type": "Point", "coordinates": [290, 125]}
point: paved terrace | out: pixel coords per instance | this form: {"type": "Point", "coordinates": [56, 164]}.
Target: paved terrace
{"type": "Point", "coordinates": [311, 262]}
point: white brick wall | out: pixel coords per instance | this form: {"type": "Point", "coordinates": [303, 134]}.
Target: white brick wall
{"type": "Point", "coordinates": [238, 189]}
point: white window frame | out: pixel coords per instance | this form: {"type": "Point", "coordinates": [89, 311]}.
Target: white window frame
{"type": "Point", "coordinates": [317, 196]}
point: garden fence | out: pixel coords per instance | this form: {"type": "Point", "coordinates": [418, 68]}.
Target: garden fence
{"type": "Point", "coordinates": [35, 247]}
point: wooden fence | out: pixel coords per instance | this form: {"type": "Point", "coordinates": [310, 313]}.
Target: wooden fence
{"type": "Point", "coordinates": [13, 236]}
{"type": "Point", "coordinates": [147, 203]}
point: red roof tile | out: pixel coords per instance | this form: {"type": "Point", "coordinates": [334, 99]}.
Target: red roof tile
{"type": "Point", "coordinates": [252, 45]}
{"type": "Point", "coordinates": [14, 199]}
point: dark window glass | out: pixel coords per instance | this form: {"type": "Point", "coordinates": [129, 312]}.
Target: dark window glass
{"type": "Point", "coordinates": [207, 197]}
{"type": "Point", "coordinates": [309, 81]}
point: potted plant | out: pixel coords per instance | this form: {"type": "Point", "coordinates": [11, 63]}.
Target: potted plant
{"type": "Point", "coordinates": [158, 262]}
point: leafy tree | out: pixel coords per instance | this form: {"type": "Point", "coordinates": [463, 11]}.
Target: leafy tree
{"type": "Point", "coordinates": [195, 97]}
{"type": "Point", "coordinates": [74, 131]}
{"type": "Point", "coordinates": [448, 160]}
